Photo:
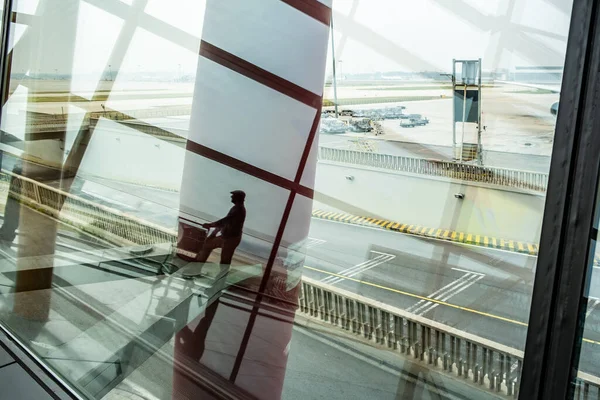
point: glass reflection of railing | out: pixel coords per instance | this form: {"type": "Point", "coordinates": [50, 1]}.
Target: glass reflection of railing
{"type": "Point", "coordinates": [447, 350]}
{"type": "Point", "coordinates": [105, 222]}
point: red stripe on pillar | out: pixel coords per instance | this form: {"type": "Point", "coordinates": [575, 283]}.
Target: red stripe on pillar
{"type": "Point", "coordinates": [259, 75]}
{"type": "Point", "coordinates": [308, 146]}
{"type": "Point", "coordinates": [312, 8]}
{"type": "Point", "coordinates": [249, 169]}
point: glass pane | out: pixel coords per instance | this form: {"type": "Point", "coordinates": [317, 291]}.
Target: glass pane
{"type": "Point", "coordinates": [387, 196]}
{"type": "Point", "coordinates": [587, 384]}
{"type": "Point", "coordinates": [434, 149]}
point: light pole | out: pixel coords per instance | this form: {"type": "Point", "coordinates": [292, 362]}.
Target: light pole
{"type": "Point", "coordinates": [335, 101]}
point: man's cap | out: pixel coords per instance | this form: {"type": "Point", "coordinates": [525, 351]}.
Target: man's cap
{"type": "Point", "coordinates": [239, 194]}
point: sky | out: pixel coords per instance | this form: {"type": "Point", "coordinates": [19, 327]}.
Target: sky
{"type": "Point", "coordinates": [370, 35]}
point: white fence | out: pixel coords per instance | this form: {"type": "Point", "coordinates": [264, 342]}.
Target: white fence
{"type": "Point", "coordinates": [448, 169]}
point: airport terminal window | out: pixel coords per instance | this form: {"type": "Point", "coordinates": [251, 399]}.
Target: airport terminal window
{"type": "Point", "coordinates": [210, 199]}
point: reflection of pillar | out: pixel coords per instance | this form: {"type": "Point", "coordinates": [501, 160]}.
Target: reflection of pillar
{"type": "Point", "coordinates": [50, 41]}
{"type": "Point", "coordinates": [37, 239]}
{"type": "Point", "coordinates": [270, 72]}
{"type": "Point", "coordinates": [12, 212]}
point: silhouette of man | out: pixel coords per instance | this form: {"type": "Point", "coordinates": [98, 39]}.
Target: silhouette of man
{"type": "Point", "coordinates": [228, 232]}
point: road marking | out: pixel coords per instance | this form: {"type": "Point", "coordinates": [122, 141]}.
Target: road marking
{"type": "Point", "coordinates": [420, 302]}
{"type": "Point", "coordinates": [381, 258]}
{"type": "Point", "coordinates": [471, 281]}
{"type": "Point", "coordinates": [312, 242]}
{"type": "Point", "coordinates": [352, 269]}
{"type": "Point", "coordinates": [416, 296]}
{"type": "Point", "coordinates": [446, 292]}
{"type": "Point", "coordinates": [464, 280]}
{"type": "Point", "coordinates": [467, 271]}
{"type": "Point", "coordinates": [443, 303]}
{"type": "Point", "coordinates": [591, 307]}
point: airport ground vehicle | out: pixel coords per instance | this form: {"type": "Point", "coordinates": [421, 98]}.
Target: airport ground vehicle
{"type": "Point", "coordinates": [332, 125]}
{"type": "Point", "coordinates": [361, 125]}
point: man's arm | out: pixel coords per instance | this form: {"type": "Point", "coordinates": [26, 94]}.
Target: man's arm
{"type": "Point", "coordinates": [220, 223]}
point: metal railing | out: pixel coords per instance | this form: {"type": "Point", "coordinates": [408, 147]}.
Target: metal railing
{"type": "Point", "coordinates": [448, 169]}
{"type": "Point", "coordinates": [492, 365]}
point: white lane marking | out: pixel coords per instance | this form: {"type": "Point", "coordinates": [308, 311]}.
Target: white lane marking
{"type": "Point", "coordinates": [365, 268]}
{"type": "Point", "coordinates": [447, 292]}
{"type": "Point", "coordinates": [359, 268]}
{"type": "Point", "coordinates": [468, 272]}
{"type": "Point", "coordinates": [312, 242]}
{"type": "Point", "coordinates": [472, 282]}
{"type": "Point", "coordinates": [378, 252]}
{"type": "Point", "coordinates": [592, 306]}
{"type": "Point", "coordinates": [420, 302]}
{"type": "Point", "coordinates": [352, 269]}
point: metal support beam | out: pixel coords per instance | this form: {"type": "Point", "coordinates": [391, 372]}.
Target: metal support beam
{"type": "Point", "coordinates": [558, 303]}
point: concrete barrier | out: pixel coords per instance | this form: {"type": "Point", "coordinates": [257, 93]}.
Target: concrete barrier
{"type": "Point", "coordinates": [431, 201]}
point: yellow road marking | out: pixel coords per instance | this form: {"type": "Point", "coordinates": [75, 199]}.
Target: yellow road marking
{"type": "Point", "coordinates": [454, 234]}
{"type": "Point", "coordinates": [438, 232]}
{"type": "Point", "coordinates": [469, 238]}
{"type": "Point", "coordinates": [403, 228]}
{"type": "Point", "coordinates": [431, 231]}
{"type": "Point", "coordinates": [326, 214]}
{"type": "Point", "coordinates": [443, 303]}
{"type": "Point", "coordinates": [355, 218]}
{"type": "Point", "coordinates": [348, 217]}
{"type": "Point", "coordinates": [531, 248]}
{"type": "Point", "coordinates": [318, 213]}
{"type": "Point", "coordinates": [396, 225]}
{"type": "Point", "coordinates": [424, 230]}
{"type": "Point", "coordinates": [477, 239]}
{"type": "Point", "coordinates": [486, 241]}
{"type": "Point", "coordinates": [446, 233]}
